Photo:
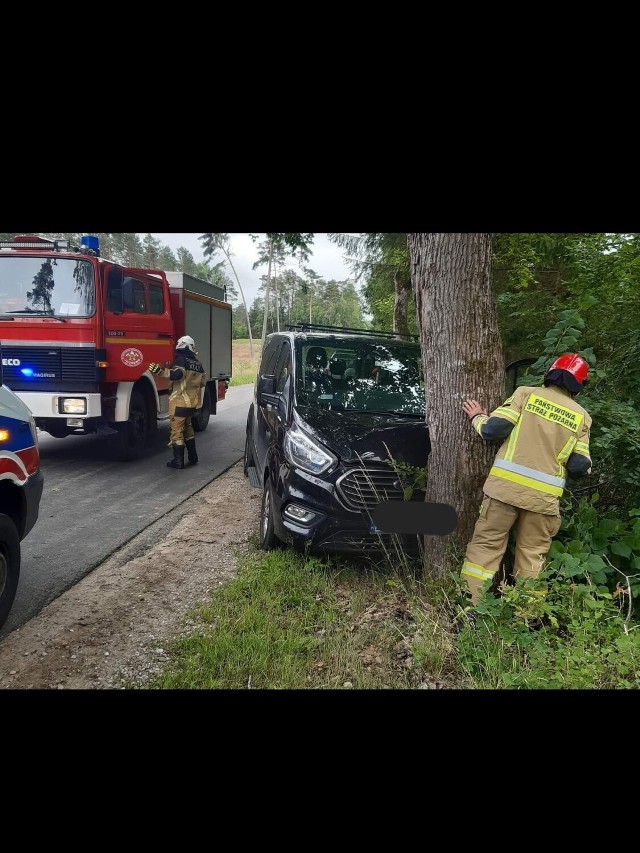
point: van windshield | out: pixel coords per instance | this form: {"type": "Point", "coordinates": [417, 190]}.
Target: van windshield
{"type": "Point", "coordinates": [48, 286]}
{"type": "Point", "coordinates": [361, 375]}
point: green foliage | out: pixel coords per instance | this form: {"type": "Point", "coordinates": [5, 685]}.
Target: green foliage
{"type": "Point", "coordinates": [382, 262]}
{"type": "Point", "coordinates": [611, 396]}
{"type": "Point", "coordinates": [603, 551]}
{"type": "Point", "coordinates": [412, 478]}
{"type": "Point", "coordinates": [551, 634]}
{"type": "Point", "coordinates": [615, 446]}
{"type": "Point", "coordinates": [560, 339]}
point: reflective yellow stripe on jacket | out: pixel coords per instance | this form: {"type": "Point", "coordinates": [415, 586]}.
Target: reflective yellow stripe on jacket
{"type": "Point", "coordinates": [528, 477]}
{"type": "Point", "coordinates": [529, 468]}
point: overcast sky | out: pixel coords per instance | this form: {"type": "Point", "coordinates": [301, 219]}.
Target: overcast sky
{"type": "Point", "coordinates": [327, 259]}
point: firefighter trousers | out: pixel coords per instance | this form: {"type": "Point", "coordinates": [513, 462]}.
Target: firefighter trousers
{"type": "Point", "coordinates": [181, 428]}
{"type": "Point", "coordinates": [534, 532]}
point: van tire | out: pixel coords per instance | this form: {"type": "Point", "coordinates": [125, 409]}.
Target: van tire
{"type": "Point", "coordinates": [248, 453]}
{"type": "Point", "coordinates": [268, 537]}
{"type": "Point", "coordinates": [9, 565]}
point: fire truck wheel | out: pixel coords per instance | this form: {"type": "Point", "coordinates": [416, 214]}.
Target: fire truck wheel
{"type": "Point", "coordinates": [57, 430]}
{"type": "Point", "coordinates": [134, 433]}
{"type": "Point", "coordinates": [9, 565]}
{"type": "Point", "coordinates": [201, 420]}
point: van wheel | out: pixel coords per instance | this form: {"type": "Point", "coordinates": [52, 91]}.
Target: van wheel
{"type": "Point", "coordinates": [268, 537]}
{"type": "Point", "coordinates": [200, 421]}
{"type": "Point", "coordinates": [134, 433]}
{"type": "Point", "coordinates": [248, 455]}
{"type": "Point", "coordinates": [9, 565]}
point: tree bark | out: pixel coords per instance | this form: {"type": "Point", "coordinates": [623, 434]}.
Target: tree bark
{"type": "Point", "coordinates": [276, 295]}
{"type": "Point", "coordinates": [266, 295]}
{"type": "Point", "coordinates": [244, 301]}
{"type": "Point", "coordinates": [402, 288]}
{"type": "Point", "coordinates": [462, 359]}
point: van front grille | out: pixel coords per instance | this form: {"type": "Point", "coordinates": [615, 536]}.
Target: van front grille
{"type": "Point", "coordinates": [365, 488]}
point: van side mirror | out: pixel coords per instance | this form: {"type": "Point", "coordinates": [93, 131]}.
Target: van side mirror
{"type": "Point", "coordinates": [267, 390]}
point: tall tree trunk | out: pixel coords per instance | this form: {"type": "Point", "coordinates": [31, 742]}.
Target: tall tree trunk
{"type": "Point", "coordinates": [276, 295]}
{"type": "Point", "coordinates": [266, 295]}
{"type": "Point", "coordinates": [402, 287]}
{"type": "Point", "coordinates": [462, 358]}
{"type": "Point", "coordinates": [244, 301]}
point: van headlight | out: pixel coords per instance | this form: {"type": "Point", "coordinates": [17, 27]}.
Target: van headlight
{"type": "Point", "coordinates": [301, 450]}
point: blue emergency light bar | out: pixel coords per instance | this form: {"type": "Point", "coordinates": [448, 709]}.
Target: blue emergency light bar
{"type": "Point", "coordinates": [90, 242]}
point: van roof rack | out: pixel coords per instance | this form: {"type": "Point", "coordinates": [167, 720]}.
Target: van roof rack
{"type": "Point", "coordinates": [375, 333]}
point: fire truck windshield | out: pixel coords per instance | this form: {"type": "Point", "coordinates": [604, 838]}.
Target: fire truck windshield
{"type": "Point", "coordinates": [47, 286]}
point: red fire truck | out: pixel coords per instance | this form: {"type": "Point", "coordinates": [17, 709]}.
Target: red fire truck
{"type": "Point", "coordinates": [79, 331]}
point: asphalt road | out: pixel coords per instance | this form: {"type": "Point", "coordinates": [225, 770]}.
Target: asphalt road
{"type": "Point", "coordinates": [91, 504]}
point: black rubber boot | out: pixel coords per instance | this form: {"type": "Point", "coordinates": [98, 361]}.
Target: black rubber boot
{"type": "Point", "coordinates": [178, 457]}
{"type": "Point", "coordinates": [190, 444]}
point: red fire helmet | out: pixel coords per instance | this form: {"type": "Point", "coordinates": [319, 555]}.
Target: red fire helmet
{"type": "Point", "coordinates": [573, 364]}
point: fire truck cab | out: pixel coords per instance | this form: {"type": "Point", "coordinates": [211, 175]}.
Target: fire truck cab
{"type": "Point", "coordinates": [79, 332]}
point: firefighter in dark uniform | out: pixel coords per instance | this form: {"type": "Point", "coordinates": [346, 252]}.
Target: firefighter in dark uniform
{"type": "Point", "coordinates": [187, 379]}
{"type": "Point", "coordinates": [545, 435]}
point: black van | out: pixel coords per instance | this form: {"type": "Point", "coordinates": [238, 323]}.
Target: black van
{"type": "Point", "coordinates": [336, 426]}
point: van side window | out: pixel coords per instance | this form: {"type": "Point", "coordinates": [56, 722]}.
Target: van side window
{"type": "Point", "coordinates": [283, 367]}
{"type": "Point", "coordinates": [268, 366]}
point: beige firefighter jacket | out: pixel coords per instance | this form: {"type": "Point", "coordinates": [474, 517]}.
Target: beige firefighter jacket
{"type": "Point", "coordinates": [187, 379]}
{"type": "Point", "coordinates": [529, 469]}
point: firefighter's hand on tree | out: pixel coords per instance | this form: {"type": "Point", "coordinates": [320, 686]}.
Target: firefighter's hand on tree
{"type": "Point", "coordinates": [155, 368]}
{"type": "Point", "coordinates": [473, 408]}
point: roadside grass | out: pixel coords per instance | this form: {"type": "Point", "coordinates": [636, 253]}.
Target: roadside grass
{"type": "Point", "coordinates": [244, 368]}
{"type": "Point", "coordinates": [291, 621]}
{"type": "Point", "coordinates": [552, 634]}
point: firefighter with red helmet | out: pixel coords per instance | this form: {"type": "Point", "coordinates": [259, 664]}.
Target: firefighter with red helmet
{"type": "Point", "coordinates": [545, 436]}
{"type": "Point", "coordinates": [187, 380]}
